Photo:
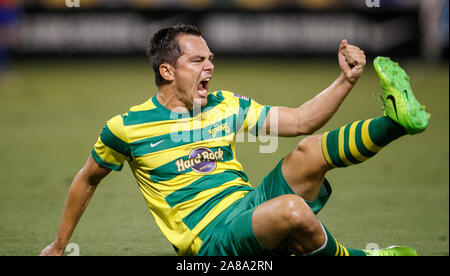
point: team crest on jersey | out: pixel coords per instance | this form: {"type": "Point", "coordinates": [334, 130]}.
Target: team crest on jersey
{"type": "Point", "coordinates": [202, 160]}
{"type": "Point", "coordinates": [223, 127]}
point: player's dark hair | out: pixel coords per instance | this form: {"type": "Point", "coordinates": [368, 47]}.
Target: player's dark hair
{"type": "Point", "coordinates": [164, 47]}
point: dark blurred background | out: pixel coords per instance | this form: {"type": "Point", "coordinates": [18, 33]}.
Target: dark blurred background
{"type": "Point", "coordinates": [404, 28]}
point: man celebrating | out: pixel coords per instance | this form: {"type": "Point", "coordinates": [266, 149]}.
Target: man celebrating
{"type": "Point", "coordinates": [180, 145]}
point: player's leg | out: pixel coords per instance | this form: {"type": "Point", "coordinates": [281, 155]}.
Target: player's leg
{"type": "Point", "coordinates": [305, 168]}
{"type": "Point", "coordinates": [288, 223]}
{"type": "Point", "coordinates": [274, 217]}
{"type": "Point", "coordinates": [279, 219]}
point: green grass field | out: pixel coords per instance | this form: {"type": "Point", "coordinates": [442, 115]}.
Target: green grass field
{"type": "Point", "coordinates": [53, 111]}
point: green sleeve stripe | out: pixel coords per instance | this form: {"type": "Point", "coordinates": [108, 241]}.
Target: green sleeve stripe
{"type": "Point", "coordinates": [261, 119]}
{"type": "Point", "coordinates": [205, 182]}
{"type": "Point", "coordinates": [171, 170]}
{"type": "Point", "coordinates": [109, 139]}
{"type": "Point", "coordinates": [193, 218]}
{"type": "Point", "coordinates": [244, 106]}
{"type": "Point", "coordinates": [105, 164]}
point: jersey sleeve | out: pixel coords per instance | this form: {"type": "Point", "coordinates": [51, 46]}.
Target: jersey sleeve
{"type": "Point", "coordinates": [112, 149]}
{"type": "Point", "coordinates": [252, 115]}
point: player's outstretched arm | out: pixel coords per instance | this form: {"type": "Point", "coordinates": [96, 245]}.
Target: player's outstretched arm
{"type": "Point", "coordinates": [315, 113]}
{"type": "Point", "coordinates": [80, 193]}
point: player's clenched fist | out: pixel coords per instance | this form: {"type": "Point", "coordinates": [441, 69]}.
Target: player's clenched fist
{"type": "Point", "coordinates": [351, 60]}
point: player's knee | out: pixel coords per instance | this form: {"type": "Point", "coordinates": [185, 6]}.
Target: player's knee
{"type": "Point", "coordinates": [309, 143]}
{"type": "Point", "coordinates": [309, 153]}
{"type": "Point", "coordinates": [298, 215]}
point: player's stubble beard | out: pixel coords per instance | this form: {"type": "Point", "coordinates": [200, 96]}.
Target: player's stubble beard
{"type": "Point", "coordinates": [190, 99]}
{"type": "Point", "coordinates": [195, 102]}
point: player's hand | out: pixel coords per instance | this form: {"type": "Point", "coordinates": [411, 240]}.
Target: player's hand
{"type": "Point", "coordinates": [352, 61]}
{"type": "Point", "coordinates": [52, 250]}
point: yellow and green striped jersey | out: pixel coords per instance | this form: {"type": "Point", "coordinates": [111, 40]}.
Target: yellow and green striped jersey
{"type": "Point", "coordinates": [184, 163]}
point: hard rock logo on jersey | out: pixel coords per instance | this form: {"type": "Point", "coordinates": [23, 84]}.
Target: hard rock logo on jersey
{"type": "Point", "coordinates": [202, 160]}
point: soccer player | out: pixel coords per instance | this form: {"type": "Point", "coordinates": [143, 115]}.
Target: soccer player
{"type": "Point", "coordinates": [180, 145]}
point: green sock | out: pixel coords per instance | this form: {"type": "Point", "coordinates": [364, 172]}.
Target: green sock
{"type": "Point", "coordinates": [356, 142]}
{"type": "Point", "coordinates": [332, 248]}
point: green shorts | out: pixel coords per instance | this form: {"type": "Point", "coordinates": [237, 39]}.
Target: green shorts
{"type": "Point", "coordinates": [231, 233]}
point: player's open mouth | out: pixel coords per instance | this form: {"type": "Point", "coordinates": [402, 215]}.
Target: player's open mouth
{"type": "Point", "coordinates": [202, 88]}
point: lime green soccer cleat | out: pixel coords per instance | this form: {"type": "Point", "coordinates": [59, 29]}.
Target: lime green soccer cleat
{"type": "Point", "coordinates": [392, 251]}
{"type": "Point", "coordinates": [398, 99]}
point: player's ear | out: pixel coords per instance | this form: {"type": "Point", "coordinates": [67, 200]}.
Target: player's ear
{"type": "Point", "coordinates": [167, 71]}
